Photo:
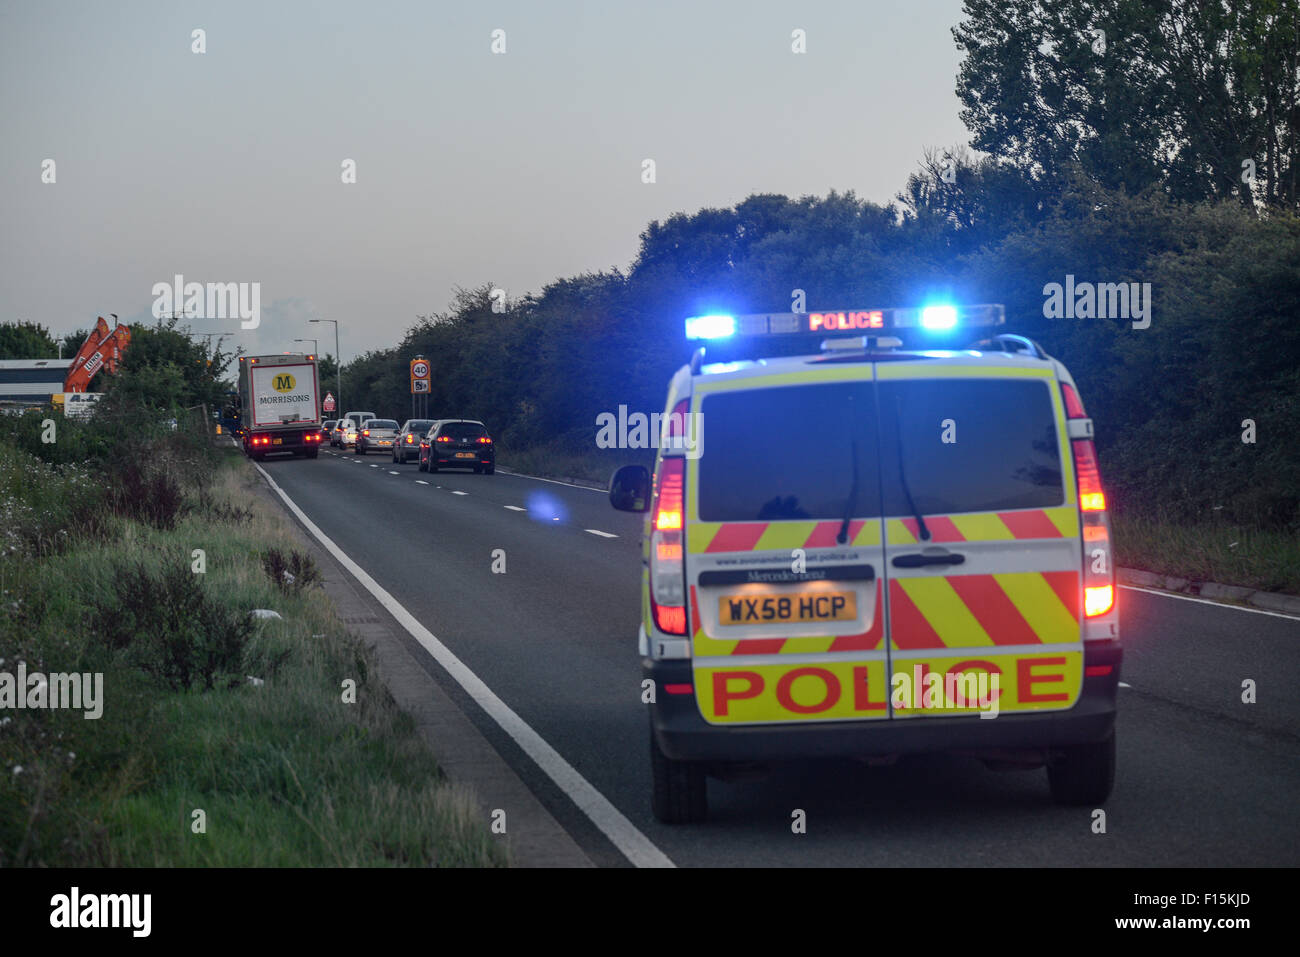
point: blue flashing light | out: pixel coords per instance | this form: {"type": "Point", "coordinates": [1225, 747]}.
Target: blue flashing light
{"type": "Point", "coordinates": [710, 327]}
{"type": "Point", "coordinates": [939, 317]}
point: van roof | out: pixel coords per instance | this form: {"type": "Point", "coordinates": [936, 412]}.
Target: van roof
{"type": "Point", "coordinates": [757, 368]}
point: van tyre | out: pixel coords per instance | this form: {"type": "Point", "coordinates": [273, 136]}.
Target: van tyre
{"type": "Point", "coordinates": [679, 795]}
{"type": "Point", "coordinates": [490, 470]}
{"type": "Point", "coordinates": [356, 449]}
{"type": "Point", "coordinates": [1083, 774]}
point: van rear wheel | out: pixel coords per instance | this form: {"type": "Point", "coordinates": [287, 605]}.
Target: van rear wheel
{"type": "Point", "coordinates": [679, 795]}
{"type": "Point", "coordinates": [1083, 774]}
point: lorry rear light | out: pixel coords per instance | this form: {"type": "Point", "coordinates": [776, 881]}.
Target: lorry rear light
{"type": "Point", "coordinates": [667, 569]}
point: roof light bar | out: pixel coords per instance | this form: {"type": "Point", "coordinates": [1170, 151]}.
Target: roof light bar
{"type": "Point", "coordinates": [935, 318]}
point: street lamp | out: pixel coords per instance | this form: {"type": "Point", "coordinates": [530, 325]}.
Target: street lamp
{"type": "Point", "coordinates": [315, 347]}
{"type": "Point", "coordinates": [338, 360]}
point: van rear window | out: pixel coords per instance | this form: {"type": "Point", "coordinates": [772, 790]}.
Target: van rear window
{"type": "Point", "coordinates": [969, 445]}
{"type": "Point", "coordinates": [958, 445]}
{"type": "Point", "coordinates": [788, 453]}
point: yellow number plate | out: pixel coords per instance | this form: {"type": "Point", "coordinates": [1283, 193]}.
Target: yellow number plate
{"type": "Point", "coordinates": [760, 609]}
{"type": "Point", "coordinates": [277, 441]}
{"type": "Point", "coordinates": [464, 455]}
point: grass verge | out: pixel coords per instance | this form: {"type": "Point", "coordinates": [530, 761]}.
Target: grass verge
{"type": "Point", "coordinates": [1210, 552]}
{"type": "Point", "coordinates": [290, 769]}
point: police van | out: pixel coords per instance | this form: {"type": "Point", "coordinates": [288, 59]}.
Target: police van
{"type": "Point", "coordinates": [865, 550]}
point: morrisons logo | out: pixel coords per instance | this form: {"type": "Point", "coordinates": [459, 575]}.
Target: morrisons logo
{"type": "Point", "coordinates": [284, 382]}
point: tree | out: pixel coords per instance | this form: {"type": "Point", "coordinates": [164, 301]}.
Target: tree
{"type": "Point", "coordinates": [26, 340]}
{"type": "Point", "coordinates": [1190, 95]}
{"type": "Point", "coordinates": [166, 368]}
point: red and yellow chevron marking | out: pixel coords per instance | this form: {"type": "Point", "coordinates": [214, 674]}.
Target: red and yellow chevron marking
{"type": "Point", "coordinates": [980, 611]}
{"type": "Point", "coordinates": [713, 537]}
{"type": "Point", "coordinates": [709, 537]}
{"type": "Point", "coordinates": [869, 640]}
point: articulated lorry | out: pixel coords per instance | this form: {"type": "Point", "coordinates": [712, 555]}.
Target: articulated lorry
{"type": "Point", "coordinates": [279, 405]}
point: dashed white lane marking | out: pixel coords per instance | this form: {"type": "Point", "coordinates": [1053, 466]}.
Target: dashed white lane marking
{"type": "Point", "coordinates": [538, 478]}
{"type": "Point", "coordinates": [456, 491]}
{"type": "Point", "coordinates": [391, 472]}
{"type": "Point", "coordinates": [596, 531]}
{"type": "Point", "coordinates": [1207, 601]}
{"type": "Point", "coordinates": [374, 466]}
{"type": "Point", "coordinates": [1124, 684]}
{"type": "Point", "coordinates": [516, 508]}
{"type": "Point", "coordinates": [634, 845]}
{"type": "Point", "coordinates": [421, 482]}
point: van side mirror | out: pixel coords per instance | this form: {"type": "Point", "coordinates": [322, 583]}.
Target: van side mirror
{"type": "Point", "coordinates": [629, 489]}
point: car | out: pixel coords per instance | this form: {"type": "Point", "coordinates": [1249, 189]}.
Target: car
{"type": "Point", "coordinates": [376, 435]}
{"type": "Point", "coordinates": [408, 439]}
{"type": "Point", "coordinates": [869, 550]}
{"type": "Point", "coordinates": [328, 428]}
{"type": "Point", "coordinates": [459, 444]}
{"type": "Point", "coordinates": [350, 425]}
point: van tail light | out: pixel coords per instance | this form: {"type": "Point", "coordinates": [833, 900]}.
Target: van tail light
{"type": "Point", "coordinates": [667, 565]}
{"type": "Point", "coordinates": [1073, 407]}
{"type": "Point", "coordinates": [1098, 556]}
{"type": "Point", "coordinates": [1091, 496]}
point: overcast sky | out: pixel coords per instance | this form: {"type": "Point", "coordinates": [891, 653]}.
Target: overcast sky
{"type": "Point", "coordinates": [471, 167]}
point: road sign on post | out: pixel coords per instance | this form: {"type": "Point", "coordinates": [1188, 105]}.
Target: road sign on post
{"type": "Point", "coordinates": [420, 375]}
{"type": "Point", "coordinates": [328, 404]}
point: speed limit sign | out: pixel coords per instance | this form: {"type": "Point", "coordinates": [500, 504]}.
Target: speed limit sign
{"type": "Point", "coordinates": [420, 374]}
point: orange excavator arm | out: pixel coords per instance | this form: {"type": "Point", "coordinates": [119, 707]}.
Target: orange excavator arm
{"type": "Point", "coordinates": [104, 346]}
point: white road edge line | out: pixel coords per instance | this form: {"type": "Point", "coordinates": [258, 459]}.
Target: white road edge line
{"type": "Point", "coordinates": [538, 478]}
{"type": "Point", "coordinates": [634, 845]}
{"type": "Point", "coordinates": [596, 531]}
{"type": "Point", "coordinates": [1207, 601]}
{"type": "Point", "coordinates": [516, 508]}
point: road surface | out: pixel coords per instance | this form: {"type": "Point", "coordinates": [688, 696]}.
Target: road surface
{"type": "Point", "coordinates": [1203, 779]}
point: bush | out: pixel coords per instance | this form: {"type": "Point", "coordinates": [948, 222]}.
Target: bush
{"type": "Point", "coordinates": [166, 625]}
{"type": "Point", "coordinates": [293, 572]}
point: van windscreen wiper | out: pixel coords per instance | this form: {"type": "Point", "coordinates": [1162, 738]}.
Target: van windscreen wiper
{"type": "Point", "coordinates": [902, 472]}
{"type": "Point", "coordinates": [851, 504]}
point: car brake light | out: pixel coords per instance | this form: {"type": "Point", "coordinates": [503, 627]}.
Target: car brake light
{"type": "Point", "coordinates": [484, 440]}
{"type": "Point", "coordinates": [667, 569]}
{"type": "Point", "coordinates": [365, 431]}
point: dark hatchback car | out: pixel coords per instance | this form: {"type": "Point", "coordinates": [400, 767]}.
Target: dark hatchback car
{"type": "Point", "coordinates": [458, 444]}
{"type": "Point", "coordinates": [407, 446]}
